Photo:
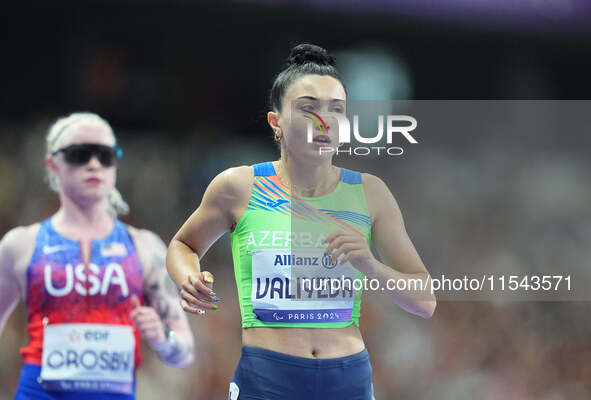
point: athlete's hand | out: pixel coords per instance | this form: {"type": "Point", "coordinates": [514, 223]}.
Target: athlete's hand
{"type": "Point", "coordinates": [352, 247]}
{"type": "Point", "coordinates": [197, 294]}
{"type": "Point", "coordinates": [148, 322]}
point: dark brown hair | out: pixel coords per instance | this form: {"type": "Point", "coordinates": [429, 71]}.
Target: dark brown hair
{"type": "Point", "coordinates": [304, 59]}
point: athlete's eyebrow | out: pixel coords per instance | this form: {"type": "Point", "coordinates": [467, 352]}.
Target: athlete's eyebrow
{"type": "Point", "coordinates": [316, 99]}
{"type": "Point", "coordinates": [307, 98]}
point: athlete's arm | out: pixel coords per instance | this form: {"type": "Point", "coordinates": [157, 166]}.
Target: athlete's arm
{"type": "Point", "coordinates": [394, 247]}
{"type": "Point", "coordinates": [224, 200]}
{"type": "Point", "coordinates": [9, 294]}
{"type": "Point", "coordinates": [162, 323]}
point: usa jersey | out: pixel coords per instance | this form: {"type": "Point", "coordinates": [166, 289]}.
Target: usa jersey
{"type": "Point", "coordinates": [61, 289]}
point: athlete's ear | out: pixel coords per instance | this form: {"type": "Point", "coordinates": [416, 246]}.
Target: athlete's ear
{"type": "Point", "coordinates": [273, 120]}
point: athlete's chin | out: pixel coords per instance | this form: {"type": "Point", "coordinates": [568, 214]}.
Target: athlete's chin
{"type": "Point", "coordinates": [318, 153]}
{"type": "Point", "coordinates": [90, 195]}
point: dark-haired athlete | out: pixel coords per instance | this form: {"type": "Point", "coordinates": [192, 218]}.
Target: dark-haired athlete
{"type": "Point", "coordinates": [283, 216]}
{"type": "Point", "coordinates": [84, 275]}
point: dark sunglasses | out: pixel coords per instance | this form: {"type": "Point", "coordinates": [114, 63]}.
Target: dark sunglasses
{"type": "Point", "coordinates": [80, 154]}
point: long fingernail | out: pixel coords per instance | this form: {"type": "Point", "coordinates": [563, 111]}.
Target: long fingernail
{"type": "Point", "coordinates": [200, 312]}
{"type": "Point", "coordinates": [216, 299]}
{"type": "Point", "coordinates": [214, 307]}
{"type": "Point", "coordinates": [212, 293]}
{"type": "Point", "coordinates": [209, 279]}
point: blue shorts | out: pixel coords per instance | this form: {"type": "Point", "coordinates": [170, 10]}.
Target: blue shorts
{"type": "Point", "coordinates": [30, 389]}
{"type": "Point", "coordinates": [268, 375]}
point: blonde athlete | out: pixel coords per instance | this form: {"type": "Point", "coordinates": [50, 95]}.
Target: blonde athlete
{"type": "Point", "coordinates": [84, 276]}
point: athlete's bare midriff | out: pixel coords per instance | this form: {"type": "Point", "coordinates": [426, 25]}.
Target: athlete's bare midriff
{"type": "Point", "coordinates": [306, 342]}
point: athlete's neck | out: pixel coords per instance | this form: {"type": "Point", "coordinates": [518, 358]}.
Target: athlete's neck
{"type": "Point", "coordinates": [307, 180]}
{"type": "Point", "coordinates": [83, 221]}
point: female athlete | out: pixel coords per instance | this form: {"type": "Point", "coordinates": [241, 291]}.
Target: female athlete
{"type": "Point", "coordinates": [84, 276]}
{"type": "Point", "coordinates": [293, 221]}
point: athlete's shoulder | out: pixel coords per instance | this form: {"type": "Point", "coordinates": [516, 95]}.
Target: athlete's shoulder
{"type": "Point", "coordinates": [149, 246]}
{"type": "Point", "coordinates": [373, 184]}
{"type": "Point", "coordinates": [232, 183]}
{"type": "Point", "coordinates": [18, 240]}
{"type": "Point", "coordinates": [235, 177]}
{"type": "Point", "coordinates": [21, 235]}
{"type": "Point", "coordinates": [144, 237]}
{"type": "Point", "coordinates": [377, 196]}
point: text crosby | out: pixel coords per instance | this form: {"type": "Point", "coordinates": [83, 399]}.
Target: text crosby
{"type": "Point", "coordinates": [90, 360]}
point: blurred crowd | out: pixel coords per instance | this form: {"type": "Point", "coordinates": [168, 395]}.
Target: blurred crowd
{"type": "Point", "coordinates": [466, 208]}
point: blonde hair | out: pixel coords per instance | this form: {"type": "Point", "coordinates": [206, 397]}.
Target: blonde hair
{"type": "Point", "coordinates": [116, 204]}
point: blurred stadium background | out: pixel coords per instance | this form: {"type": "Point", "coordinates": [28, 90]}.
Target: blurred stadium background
{"type": "Point", "coordinates": [184, 84]}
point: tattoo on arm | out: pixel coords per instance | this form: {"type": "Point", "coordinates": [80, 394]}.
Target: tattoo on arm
{"type": "Point", "coordinates": [163, 296]}
{"type": "Point", "coordinates": [161, 291]}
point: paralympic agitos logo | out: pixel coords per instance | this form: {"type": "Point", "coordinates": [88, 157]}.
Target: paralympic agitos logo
{"type": "Point", "coordinates": [344, 127]}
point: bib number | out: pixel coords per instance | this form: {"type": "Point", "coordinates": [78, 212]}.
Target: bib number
{"type": "Point", "coordinates": [88, 357]}
{"type": "Point", "coordinates": [296, 286]}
